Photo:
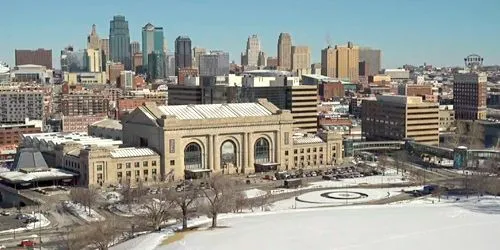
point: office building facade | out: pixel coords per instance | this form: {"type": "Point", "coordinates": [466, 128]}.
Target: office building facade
{"type": "Point", "coordinates": [74, 61]}
{"type": "Point", "coordinates": [197, 53]}
{"type": "Point", "coordinates": [371, 60]}
{"type": "Point", "coordinates": [216, 63]}
{"type": "Point", "coordinates": [285, 52]}
{"type": "Point", "coordinates": [183, 56]}
{"type": "Point", "coordinates": [119, 41]}
{"type": "Point", "coordinates": [400, 117]}
{"type": "Point", "coordinates": [341, 62]}
{"type": "Point", "coordinates": [41, 57]}
{"type": "Point", "coordinates": [94, 60]}
{"type": "Point", "coordinates": [251, 55]}
{"type": "Point", "coordinates": [301, 60]}
{"type": "Point", "coordinates": [469, 96]}
{"type": "Point", "coordinates": [152, 41]}
{"type": "Point", "coordinates": [135, 47]}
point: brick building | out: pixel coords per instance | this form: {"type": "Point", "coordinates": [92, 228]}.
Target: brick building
{"type": "Point", "coordinates": [328, 91]}
{"type": "Point", "coordinates": [80, 123]}
{"type": "Point", "coordinates": [37, 57]}
{"type": "Point", "coordinates": [10, 133]}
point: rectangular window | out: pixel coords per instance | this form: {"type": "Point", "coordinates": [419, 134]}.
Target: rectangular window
{"type": "Point", "coordinates": [146, 172]}
{"type": "Point", "coordinates": [153, 171]}
{"type": "Point", "coordinates": [320, 149]}
{"type": "Point", "coordinates": [119, 175]}
{"type": "Point", "coordinates": [99, 167]}
{"type": "Point", "coordinates": [144, 163]}
{"type": "Point", "coordinates": [295, 151]}
{"type": "Point", "coordinates": [99, 176]}
{"type": "Point", "coordinates": [171, 145]}
{"type": "Point", "coordinates": [119, 166]}
{"type": "Point", "coordinates": [301, 150]}
{"type": "Point", "coordinates": [308, 150]}
{"type": "Point", "coordinates": [128, 164]}
{"type": "Point", "coordinates": [137, 173]}
{"type": "Point", "coordinates": [137, 164]}
{"type": "Point", "coordinates": [286, 152]}
{"type": "Point", "coordinates": [153, 163]}
{"type": "Point", "coordinates": [172, 162]}
{"type": "Point", "coordinates": [287, 138]}
{"type": "Point", "coordinates": [129, 173]}
{"type": "Point", "coordinates": [314, 150]}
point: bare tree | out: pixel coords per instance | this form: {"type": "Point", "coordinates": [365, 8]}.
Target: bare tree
{"type": "Point", "coordinates": [220, 197]}
{"type": "Point", "coordinates": [400, 160]}
{"type": "Point", "coordinates": [72, 238]}
{"type": "Point", "coordinates": [158, 211]}
{"type": "Point", "coordinates": [467, 133]}
{"type": "Point", "coordinates": [132, 195]}
{"type": "Point", "coordinates": [383, 161]}
{"type": "Point", "coordinates": [262, 201]}
{"type": "Point", "coordinates": [185, 201]}
{"type": "Point", "coordinates": [100, 235]}
{"type": "Point", "coordinates": [85, 196]}
{"type": "Point", "coordinates": [241, 201]}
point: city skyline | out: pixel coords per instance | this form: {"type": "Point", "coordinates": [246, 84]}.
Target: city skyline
{"type": "Point", "coordinates": [430, 32]}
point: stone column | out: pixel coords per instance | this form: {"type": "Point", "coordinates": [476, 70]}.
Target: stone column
{"type": "Point", "coordinates": [277, 148]}
{"type": "Point", "coordinates": [210, 153]}
{"type": "Point", "coordinates": [243, 152]}
{"type": "Point", "coordinates": [215, 159]}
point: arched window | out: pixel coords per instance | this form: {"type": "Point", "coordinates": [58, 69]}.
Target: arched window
{"type": "Point", "coordinates": [228, 154]}
{"type": "Point", "coordinates": [193, 156]}
{"type": "Point", "coordinates": [261, 151]}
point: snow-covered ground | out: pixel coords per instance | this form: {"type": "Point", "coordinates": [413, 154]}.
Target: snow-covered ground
{"type": "Point", "coordinates": [254, 193]}
{"type": "Point", "coordinates": [468, 225]}
{"type": "Point", "coordinates": [357, 195]}
{"type": "Point", "coordinates": [41, 223]}
{"type": "Point", "coordinates": [82, 212]}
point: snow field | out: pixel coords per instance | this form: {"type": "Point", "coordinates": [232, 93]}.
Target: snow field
{"type": "Point", "coordinates": [82, 212]}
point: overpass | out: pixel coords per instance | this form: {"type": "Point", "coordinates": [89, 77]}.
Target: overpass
{"type": "Point", "coordinates": [461, 156]}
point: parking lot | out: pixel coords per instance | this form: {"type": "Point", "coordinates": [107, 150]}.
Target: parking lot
{"type": "Point", "coordinates": [10, 222]}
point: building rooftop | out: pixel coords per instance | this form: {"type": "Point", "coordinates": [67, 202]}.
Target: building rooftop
{"type": "Point", "coordinates": [29, 160]}
{"type": "Point", "coordinates": [49, 174]}
{"type": "Point", "coordinates": [132, 152]}
{"type": "Point", "coordinates": [108, 123]}
{"type": "Point", "coordinates": [307, 140]}
{"type": "Point", "coordinates": [81, 138]}
{"type": "Point", "coordinates": [214, 111]}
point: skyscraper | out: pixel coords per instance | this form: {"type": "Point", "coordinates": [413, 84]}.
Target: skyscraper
{"type": "Point", "coordinates": [328, 62]}
{"type": "Point", "coordinates": [152, 41]}
{"type": "Point", "coordinates": [183, 58]}
{"type": "Point", "coordinates": [135, 47]}
{"type": "Point", "coordinates": [285, 51]}
{"type": "Point", "coordinates": [94, 60]}
{"type": "Point", "coordinates": [104, 43]}
{"type": "Point", "coordinates": [341, 62]}
{"type": "Point", "coordinates": [93, 41]}
{"type": "Point", "coordinates": [197, 52]}
{"type": "Point", "coordinates": [372, 60]}
{"type": "Point", "coordinates": [119, 41]}
{"type": "Point", "coordinates": [73, 61]}
{"type": "Point", "coordinates": [214, 64]}
{"type": "Point", "coordinates": [251, 55]}
{"type": "Point", "coordinates": [262, 61]}
{"type": "Point", "coordinates": [156, 65]}
{"type": "Point", "coordinates": [301, 60]}
{"type": "Point", "coordinates": [170, 65]}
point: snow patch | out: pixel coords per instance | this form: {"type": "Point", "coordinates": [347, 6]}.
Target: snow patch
{"type": "Point", "coordinates": [82, 212]}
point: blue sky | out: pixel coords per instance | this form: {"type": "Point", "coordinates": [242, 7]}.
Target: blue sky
{"type": "Point", "coordinates": [439, 32]}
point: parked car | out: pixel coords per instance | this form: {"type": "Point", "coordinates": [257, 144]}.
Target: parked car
{"type": "Point", "coordinates": [22, 217]}
{"type": "Point", "coordinates": [5, 213]}
{"type": "Point", "coordinates": [27, 243]}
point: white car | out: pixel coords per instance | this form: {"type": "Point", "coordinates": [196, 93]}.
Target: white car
{"type": "Point", "coordinates": [3, 247]}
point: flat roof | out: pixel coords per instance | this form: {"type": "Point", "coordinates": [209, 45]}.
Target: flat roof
{"type": "Point", "coordinates": [208, 111]}
{"type": "Point", "coordinates": [108, 123]}
{"type": "Point", "coordinates": [50, 174]}
{"type": "Point", "coordinates": [81, 138]}
{"type": "Point", "coordinates": [132, 152]}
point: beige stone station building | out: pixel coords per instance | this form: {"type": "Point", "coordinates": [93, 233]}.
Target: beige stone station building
{"type": "Point", "coordinates": [193, 140]}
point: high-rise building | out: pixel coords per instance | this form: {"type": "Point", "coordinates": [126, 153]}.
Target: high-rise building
{"type": "Point", "coordinates": [328, 62]}
{"type": "Point", "coordinates": [170, 65]}
{"type": "Point", "coordinates": [126, 80]}
{"type": "Point", "coordinates": [114, 70]}
{"type": "Point", "coordinates": [301, 60]}
{"type": "Point", "coordinates": [135, 47]}
{"type": "Point", "coordinates": [262, 62]}
{"type": "Point", "coordinates": [152, 41]}
{"type": "Point", "coordinates": [41, 57]}
{"type": "Point", "coordinates": [469, 96]}
{"type": "Point", "coordinates": [216, 63]}
{"type": "Point", "coordinates": [399, 117]}
{"type": "Point", "coordinates": [94, 57]}
{"type": "Point", "coordinates": [285, 51]}
{"type": "Point", "coordinates": [272, 62]}
{"type": "Point", "coordinates": [73, 61]}
{"type": "Point", "coordinates": [137, 62]}
{"type": "Point", "coordinates": [197, 52]}
{"type": "Point", "coordinates": [119, 41]}
{"type": "Point", "coordinates": [104, 43]}
{"type": "Point", "coordinates": [156, 65]}
{"type": "Point", "coordinates": [341, 62]}
{"type": "Point", "coordinates": [93, 41]}
{"type": "Point", "coordinates": [183, 57]}
{"type": "Point", "coordinates": [19, 105]}
{"type": "Point", "coordinates": [316, 68]}
{"type": "Point", "coordinates": [251, 55]}
{"type": "Point", "coordinates": [372, 61]}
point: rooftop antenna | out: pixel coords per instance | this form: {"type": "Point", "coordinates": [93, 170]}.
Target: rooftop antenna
{"type": "Point", "coordinates": [328, 39]}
